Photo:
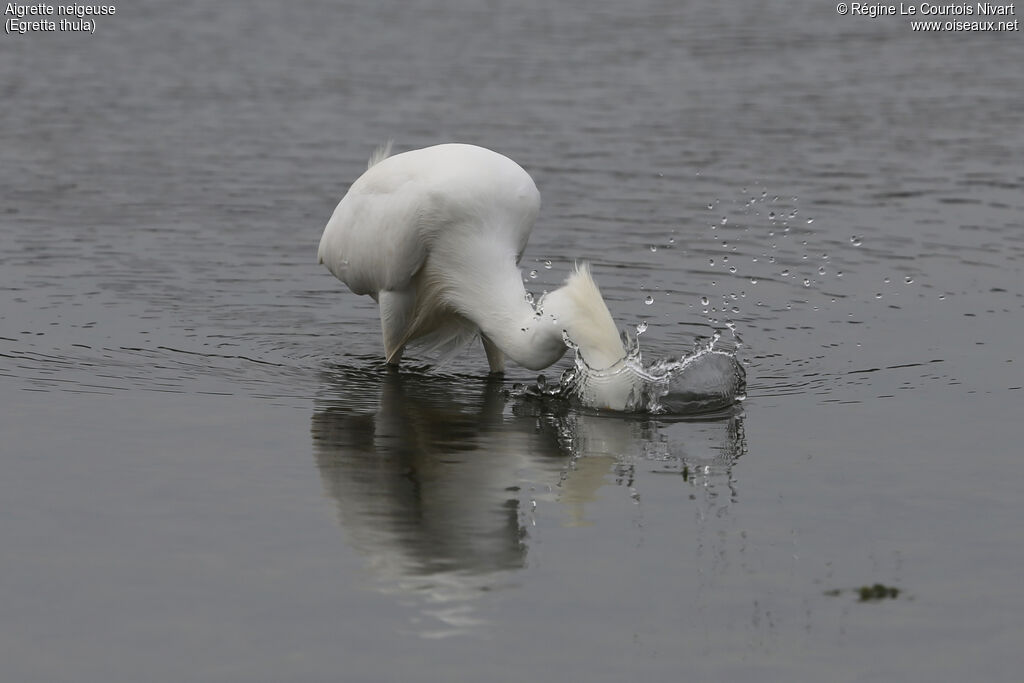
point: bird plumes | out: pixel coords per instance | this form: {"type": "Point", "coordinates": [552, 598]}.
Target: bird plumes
{"type": "Point", "coordinates": [582, 312]}
{"type": "Point", "coordinates": [469, 276]}
{"type": "Point", "coordinates": [435, 325]}
{"type": "Point", "coordinates": [380, 154]}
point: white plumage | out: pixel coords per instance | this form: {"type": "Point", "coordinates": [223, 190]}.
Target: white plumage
{"type": "Point", "coordinates": [435, 236]}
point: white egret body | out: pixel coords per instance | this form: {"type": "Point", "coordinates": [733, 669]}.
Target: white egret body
{"type": "Point", "coordinates": [435, 236]}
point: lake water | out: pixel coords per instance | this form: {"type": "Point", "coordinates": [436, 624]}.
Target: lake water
{"type": "Point", "coordinates": [208, 474]}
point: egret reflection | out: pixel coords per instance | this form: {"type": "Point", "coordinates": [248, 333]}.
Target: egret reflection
{"type": "Point", "coordinates": [434, 477]}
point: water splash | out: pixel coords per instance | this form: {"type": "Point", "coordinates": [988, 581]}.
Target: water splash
{"type": "Point", "coordinates": [707, 379]}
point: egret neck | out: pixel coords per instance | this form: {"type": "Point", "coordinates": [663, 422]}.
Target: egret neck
{"type": "Point", "coordinates": [490, 293]}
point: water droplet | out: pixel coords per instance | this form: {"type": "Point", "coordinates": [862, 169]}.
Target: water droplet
{"type": "Point", "coordinates": [529, 297]}
{"type": "Point", "coordinates": [886, 280]}
{"type": "Point", "coordinates": [703, 301]}
{"type": "Point", "coordinates": [856, 241]}
{"type": "Point", "coordinates": [753, 280]}
{"type": "Point", "coordinates": [839, 273]}
{"type": "Point", "coordinates": [908, 279]}
{"type": "Point", "coordinates": [547, 264]}
{"type": "Point", "coordinates": [725, 259]}
{"type": "Point", "coordinates": [671, 240]}
{"type": "Point", "coordinates": [771, 215]}
{"type": "Point", "coordinates": [821, 270]}
{"type": "Point", "coordinates": [735, 309]}
{"type": "Point", "coordinates": [711, 207]}
{"type": "Point", "coordinates": [724, 220]}
{"type": "Point", "coordinates": [785, 273]}
{"type": "Point", "coordinates": [653, 248]}
{"type": "Point", "coordinates": [807, 282]}
{"type": "Point", "coordinates": [711, 262]}
{"type": "Point", "coordinates": [809, 221]}
{"type": "Point", "coordinates": [649, 300]}
{"type": "Point", "coordinates": [533, 273]}
{"type": "Point", "coordinates": [878, 295]}
{"type": "Point", "coordinates": [732, 269]}
{"type": "Point", "coordinates": [642, 327]}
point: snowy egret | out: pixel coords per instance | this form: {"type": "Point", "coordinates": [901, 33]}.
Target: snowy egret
{"type": "Point", "coordinates": [435, 236]}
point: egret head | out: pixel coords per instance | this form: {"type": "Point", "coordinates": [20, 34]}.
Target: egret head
{"type": "Point", "coordinates": [578, 308]}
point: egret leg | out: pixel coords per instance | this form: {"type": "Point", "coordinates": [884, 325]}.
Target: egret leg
{"type": "Point", "coordinates": [395, 313]}
{"type": "Point", "coordinates": [495, 356]}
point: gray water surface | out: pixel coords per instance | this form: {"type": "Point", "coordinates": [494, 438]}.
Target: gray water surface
{"type": "Point", "coordinates": [208, 474]}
